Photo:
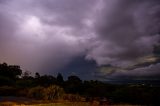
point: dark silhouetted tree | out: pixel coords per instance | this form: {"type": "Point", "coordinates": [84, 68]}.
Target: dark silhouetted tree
{"type": "Point", "coordinates": [10, 71]}
{"type": "Point", "coordinates": [27, 75]}
{"type": "Point", "coordinates": [74, 79]}
{"type": "Point", "coordinates": [37, 75]}
{"type": "Point", "coordinates": [47, 80]}
{"type": "Point", "coordinates": [73, 84]}
{"type": "Point", "coordinates": [60, 79]}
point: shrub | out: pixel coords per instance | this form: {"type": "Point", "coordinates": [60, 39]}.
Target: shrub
{"type": "Point", "coordinates": [5, 81]}
{"type": "Point", "coordinates": [53, 92]}
{"type": "Point", "coordinates": [23, 92]}
{"type": "Point", "coordinates": [8, 91]}
{"type": "Point", "coordinates": [36, 92]}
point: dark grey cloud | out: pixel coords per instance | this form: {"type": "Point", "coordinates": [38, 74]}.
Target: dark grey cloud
{"type": "Point", "coordinates": [145, 68]}
{"type": "Point", "coordinates": [81, 67]}
{"type": "Point", "coordinates": [151, 72]}
{"type": "Point", "coordinates": [127, 30]}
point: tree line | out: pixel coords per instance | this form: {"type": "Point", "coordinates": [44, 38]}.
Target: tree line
{"type": "Point", "coordinates": [15, 82]}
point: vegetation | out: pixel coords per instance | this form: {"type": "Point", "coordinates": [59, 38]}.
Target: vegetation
{"type": "Point", "coordinates": [50, 93]}
{"type": "Point", "coordinates": [53, 92]}
{"type": "Point", "coordinates": [50, 104]}
{"type": "Point", "coordinates": [36, 92]}
{"type": "Point", "coordinates": [15, 82]}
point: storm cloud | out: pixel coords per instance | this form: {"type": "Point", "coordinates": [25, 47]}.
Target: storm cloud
{"type": "Point", "coordinates": [127, 30]}
{"type": "Point", "coordinates": [42, 35]}
{"type": "Point", "coordinates": [46, 36]}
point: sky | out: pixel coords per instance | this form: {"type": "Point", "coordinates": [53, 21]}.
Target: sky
{"type": "Point", "coordinates": [94, 39]}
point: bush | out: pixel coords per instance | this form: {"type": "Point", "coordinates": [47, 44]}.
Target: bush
{"type": "Point", "coordinates": [53, 92]}
{"type": "Point", "coordinates": [8, 91]}
{"type": "Point", "coordinates": [36, 92]}
{"type": "Point", "coordinates": [5, 81]}
{"type": "Point", "coordinates": [23, 92]}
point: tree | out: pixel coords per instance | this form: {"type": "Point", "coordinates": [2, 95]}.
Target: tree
{"type": "Point", "coordinates": [46, 80]}
{"type": "Point", "coordinates": [60, 79]}
{"type": "Point", "coordinates": [73, 84]}
{"type": "Point", "coordinates": [10, 71]}
{"type": "Point", "coordinates": [74, 80]}
{"type": "Point", "coordinates": [15, 70]}
{"type": "Point", "coordinates": [27, 75]}
{"type": "Point", "coordinates": [37, 75]}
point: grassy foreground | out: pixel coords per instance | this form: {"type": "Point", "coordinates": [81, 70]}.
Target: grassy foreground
{"type": "Point", "coordinates": [49, 104]}
{"type": "Point", "coordinates": [62, 104]}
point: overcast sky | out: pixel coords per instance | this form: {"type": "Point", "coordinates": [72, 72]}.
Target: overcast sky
{"type": "Point", "coordinates": [112, 37]}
